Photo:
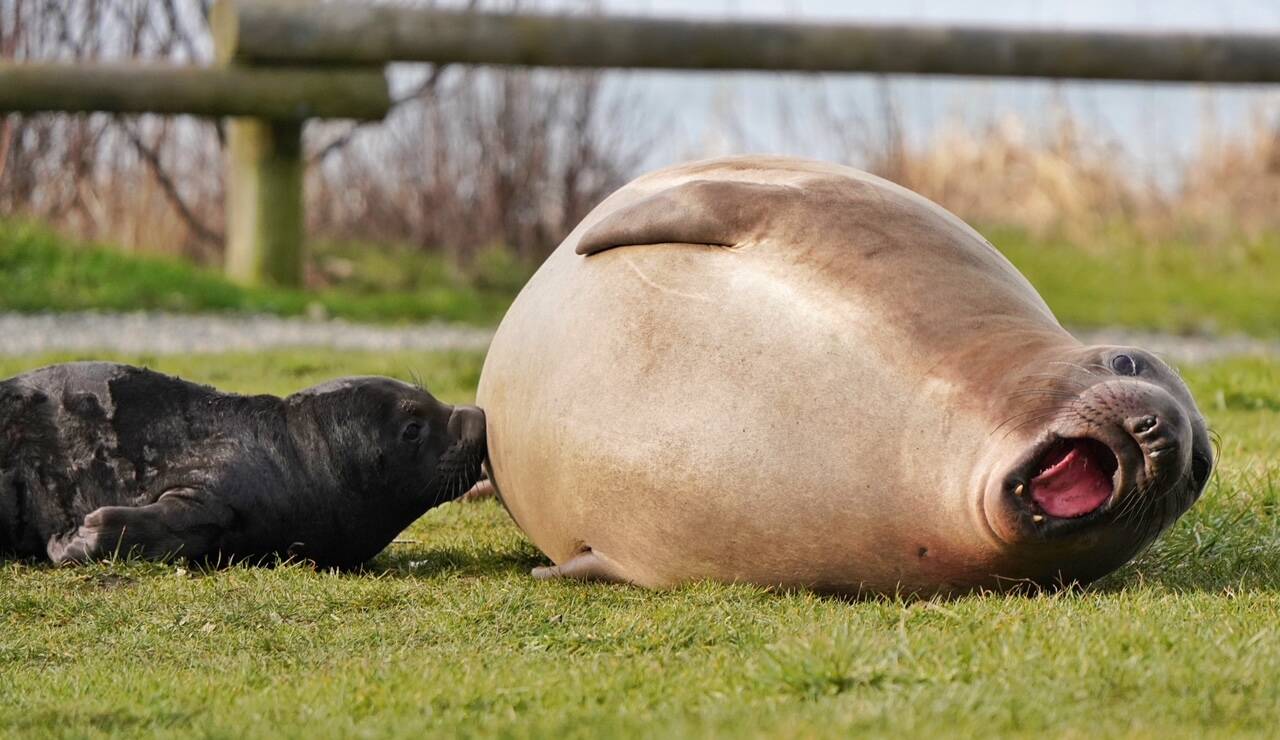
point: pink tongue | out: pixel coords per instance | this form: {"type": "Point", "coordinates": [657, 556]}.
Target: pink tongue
{"type": "Point", "coordinates": [1073, 486]}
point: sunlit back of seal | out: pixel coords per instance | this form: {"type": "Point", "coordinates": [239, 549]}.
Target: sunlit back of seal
{"type": "Point", "coordinates": [790, 373]}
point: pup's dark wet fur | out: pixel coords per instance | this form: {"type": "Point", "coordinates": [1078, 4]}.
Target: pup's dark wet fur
{"type": "Point", "coordinates": [99, 459]}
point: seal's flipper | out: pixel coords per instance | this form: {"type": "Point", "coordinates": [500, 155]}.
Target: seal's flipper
{"type": "Point", "coordinates": [184, 522]}
{"type": "Point", "coordinates": [587, 565]}
{"type": "Point", "coordinates": [710, 212]}
{"type": "Point", "coordinates": [480, 491]}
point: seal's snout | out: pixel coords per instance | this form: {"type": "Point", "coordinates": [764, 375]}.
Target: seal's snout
{"type": "Point", "coordinates": [466, 424]}
{"type": "Point", "coordinates": [1148, 420]}
{"type": "Point", "coordinates": [1157, 436]}
{"type": "Point", "coordinates": [1121, 447]}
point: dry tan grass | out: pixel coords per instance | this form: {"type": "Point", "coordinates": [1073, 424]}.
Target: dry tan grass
{"type": "Point", "coordinates": [444, 185]}
{"type": "Point", "coordinates": [1066, 181]}
{"type": "Point", "coordinates": [1233, 184]}
{"type": "Point", "coordinates": [1004, 174]}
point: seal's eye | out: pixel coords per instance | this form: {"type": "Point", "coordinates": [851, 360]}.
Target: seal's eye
{"type": "Point", "coordinates": [1124, 365]}
{"type": "Point", "coordinates": [412, 431]}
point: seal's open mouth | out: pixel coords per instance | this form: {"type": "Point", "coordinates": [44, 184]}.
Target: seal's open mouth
{"type": "Point", "coordinates": [1073, 478]}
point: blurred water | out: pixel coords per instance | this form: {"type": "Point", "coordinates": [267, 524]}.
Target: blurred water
{"type": "Point", "coordinates": [1155, 126]}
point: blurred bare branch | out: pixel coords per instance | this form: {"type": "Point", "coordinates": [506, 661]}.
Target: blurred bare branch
{"type": "Point", "coordinates": [421, 91]}
{"type": "Point", "coordinates": [468, 158]}
{"type": "Point", "coordinates": [151, 156]}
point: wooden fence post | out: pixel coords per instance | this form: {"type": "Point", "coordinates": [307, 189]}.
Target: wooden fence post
{"type": "Point", "coordinates": [266, 222]}
{"type": "Point", "coordinates": [266, 107]}
{"type": "Point", "coordinates": [265, 216]}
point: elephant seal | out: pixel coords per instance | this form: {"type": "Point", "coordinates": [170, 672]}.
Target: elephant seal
{"type": "Point", "coordinates": [101, 458]}
{"type": "Point", "coordinates": [796, 374]}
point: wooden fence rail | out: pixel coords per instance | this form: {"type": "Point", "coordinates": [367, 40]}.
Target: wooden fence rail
{"type": "Point", "coordinates": [277, 32]}
{"type": "Point", "coordinates": [283, 61]}
{"type": "Point", "coordinates": [286, 94]}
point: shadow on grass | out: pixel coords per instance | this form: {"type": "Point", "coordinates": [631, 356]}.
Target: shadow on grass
{"type": "Point", "coordinates": [1228, 543]}
{"type": "Point", "coordinates": [1205, 577]}
{"type": "Point", "coordinates": [415, 561]}
{"type": "Point", "coordinates": [1210, 554]}
{"type": "Point", "coordinates": [114, 720]}
{"type": "Point", "coordinates": [431, 562]}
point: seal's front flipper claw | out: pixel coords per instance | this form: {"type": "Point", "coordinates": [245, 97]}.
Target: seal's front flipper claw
{"type": "Point", "coordinates": [70, 547]}
{"type": "Point", "coordinates": [587, 565]}
{"type": "Point", "coordinates": [545, 572]}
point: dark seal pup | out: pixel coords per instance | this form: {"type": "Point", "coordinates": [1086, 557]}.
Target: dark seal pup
{"type": "Point", "coordinates": [98, 459]}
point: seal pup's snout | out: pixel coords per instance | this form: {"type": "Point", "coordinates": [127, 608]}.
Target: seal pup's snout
{"type": "Point", "coordinates": [466, 424]}
{"type": "Point", "coordinates": [461, 465]}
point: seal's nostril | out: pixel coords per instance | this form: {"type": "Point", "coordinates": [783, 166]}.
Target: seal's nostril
{"type": "Point", "coordinates": [1145, 424]}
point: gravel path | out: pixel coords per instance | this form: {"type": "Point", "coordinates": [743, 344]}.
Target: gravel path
{"type": "Point", "coordinates": [147, 333]}
{"type": "Point", "coordinates": [1182, 348]}
{"type": "Point", "coordinates": [151, 333]}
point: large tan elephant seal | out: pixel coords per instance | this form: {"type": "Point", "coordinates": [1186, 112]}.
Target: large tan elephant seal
{"type": "Point", "coordinates": [789, 373]}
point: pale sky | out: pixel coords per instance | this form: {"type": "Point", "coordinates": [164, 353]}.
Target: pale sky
{"type": "Point", "coordinates": [1236, 15]}
{"type": "Point", "coordinates": [1152, 126]}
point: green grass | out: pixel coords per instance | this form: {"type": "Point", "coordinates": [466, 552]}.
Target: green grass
{"type": "Point", "coordinates": [1119, 281]}
{"type": "Point", "coordinates": [1173, 286]}
{"type": "Point", "coordinates": [40, 271]}
{"type": "Point", "coordinates": [446, 635]}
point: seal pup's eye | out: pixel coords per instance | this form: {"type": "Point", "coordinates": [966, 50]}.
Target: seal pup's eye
{"type": "Point", "coordinates": [1124, 365]}
{"type": "Point", "coordinates": [412, 431]}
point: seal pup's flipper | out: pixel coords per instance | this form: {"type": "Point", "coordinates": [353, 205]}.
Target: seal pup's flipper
{"type": "Point", "coordinates": [183, 522]}
{"type": "Point", "coordinates": [587, 565]}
